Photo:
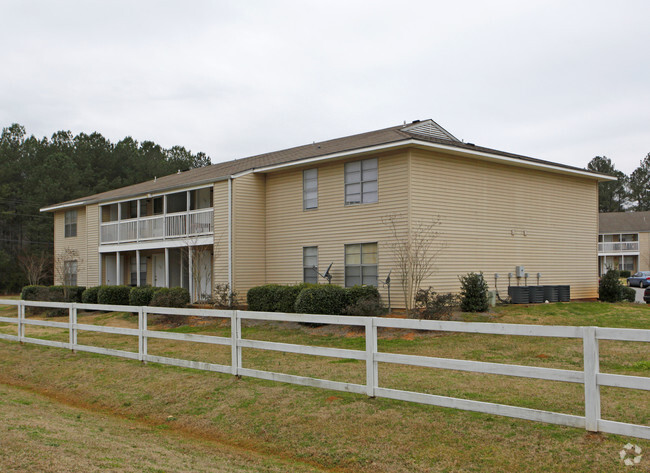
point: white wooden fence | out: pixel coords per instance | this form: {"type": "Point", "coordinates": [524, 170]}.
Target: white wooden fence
{"type": "Point", "coordinates": [591, 376]}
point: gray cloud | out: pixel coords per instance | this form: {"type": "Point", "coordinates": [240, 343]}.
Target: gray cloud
{"type": "Point", "coordinates": [563, 81]}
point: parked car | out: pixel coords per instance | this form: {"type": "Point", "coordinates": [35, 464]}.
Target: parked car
{"type": "Point", "coordinates": [646, 296]}
{"type": "Point", "coordinates": [641, 279]}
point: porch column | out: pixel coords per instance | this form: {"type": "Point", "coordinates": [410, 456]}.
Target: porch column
{"type": "Point", "coordinates": [166, 267]}
{"type": "Point", "coordinates": [118, 266]}
{"type": "Point", "coordinates": [100, 276]}
{"type": "Point", "coordinates": [190, 270]}
{"type": "Point", "coordinates": [137, 266]}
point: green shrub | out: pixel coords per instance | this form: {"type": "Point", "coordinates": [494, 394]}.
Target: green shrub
{"type": "Point", "coordinates": [89, 296]}
{"type": "Point", "coordinates": [430, 305]}
{"type": "Point", "coordinates": [609, 289]}
{"type": "Point", "coordinates": [356, 293]}
{"type": "Point", "coordinates": [113, 295]}
{"type": "Point", "coordinates": [225, 299]}
{"type": "Point", "coordinates": [473, 293]}
{"type": "Point", "coordinates": [141, 295]}
{"type": "Point", "coordinates": [179, 296]}
{"type": "Point", "coordinates": [35, 293]}
{"type": "Point", "coordinates": [321, 299]}
{"type": "Point", "coordinates": [160, 297]}
{"type": "Point", "coordinates": [175, 297]}
{"type": "Point", "coordinates": [286, 297]}
{"type": "Point", "coordinates": [263, 298]}
{"type": "Point", "coordinates": [364, 301]}
{"type": "Point", "coordinates": [367, 307]}
{"type": "Point", "coordinates": [627, 294]}
{"type": "Point", "coordinates": [625, 274]}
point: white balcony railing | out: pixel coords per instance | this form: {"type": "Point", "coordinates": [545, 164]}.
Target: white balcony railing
{"type": "Point", "coordinates": [619, 247]}
{"type": "Point", "coordinates": [177, 225]}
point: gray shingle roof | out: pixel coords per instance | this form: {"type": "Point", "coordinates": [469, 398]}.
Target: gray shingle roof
{"type": "Point", "coordinates": [426, 130]}
{"type": "Point", "coordinates": [619, 222]}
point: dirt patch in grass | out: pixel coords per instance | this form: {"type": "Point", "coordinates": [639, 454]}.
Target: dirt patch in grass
{"type": "Point", "coordinates": [38, 433]}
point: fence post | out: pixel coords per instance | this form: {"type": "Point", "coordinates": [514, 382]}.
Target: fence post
{"type": "Point", "coordinates": [372, 372]}
{"type": "Point", "coordinates": [592, 389]}
{"type": "Point", "coordinates": [72, 320]}
{"type": "Point", "coordinates": [235, 333]}
{"type": "Point", "coordinates": [143, 334]}
{"type": "Point", "coordinates": [21, 319]}
{"type": "Point", "coordinates": [140, 334]}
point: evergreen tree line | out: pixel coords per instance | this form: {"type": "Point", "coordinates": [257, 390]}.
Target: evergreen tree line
{"type": "Point", "coordinates": [35, 173]}
{"type": "Point", "coordinates": [628, 193]}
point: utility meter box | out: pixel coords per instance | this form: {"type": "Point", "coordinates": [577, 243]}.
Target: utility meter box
{"type": "Point", "coordinates": [519, 271]}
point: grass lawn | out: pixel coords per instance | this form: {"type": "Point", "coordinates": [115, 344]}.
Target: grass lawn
{"type": "Point", "coordinates": [349, 432]}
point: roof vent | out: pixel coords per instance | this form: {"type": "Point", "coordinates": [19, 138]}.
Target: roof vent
{"type": "Point", "coordinates": [429, 128]}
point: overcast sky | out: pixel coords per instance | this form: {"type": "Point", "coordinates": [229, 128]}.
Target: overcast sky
{"type": "Point", "coordinates": [563, 81]}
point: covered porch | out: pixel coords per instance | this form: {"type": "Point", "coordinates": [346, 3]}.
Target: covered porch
{"type": "Point", "coordinates": [189, 267]}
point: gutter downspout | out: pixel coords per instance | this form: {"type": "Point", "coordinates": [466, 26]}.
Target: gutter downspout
{"type": "Point", "coordinates": [230, 233]}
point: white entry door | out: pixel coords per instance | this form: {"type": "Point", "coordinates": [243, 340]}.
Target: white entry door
{"type": "Point", "coordinates": [111, 269]}
{"type": "Point", "coordinates": [158, 270]}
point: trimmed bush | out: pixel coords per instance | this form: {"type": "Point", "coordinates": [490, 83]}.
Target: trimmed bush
{"type": "Point", "coordinates": [141, 295]}
{"type": "Point", "coordinates": [322, 299]}
{"type": "Point", "coordinates": [113, 295]}
{"type": "Point", "coordinates": [356, 293]}
{"type": "Point", "coordinates": [174, 297]}
{"type": "Point", "coordinates": [610, 287]}
{"type": "Point", "coordinates": [35, 293]}
{"type": "Point", "coordinates": [625, 274]}
{"type": "Point", "coordinates": [628, 294]}
{"type": "Point", "coordinates": [286, 297]}
{"type": "Point", "coordinates": [473, 293]}
{"type": "Point", "coordinates": [180, 296]}
{"type": "Point", "coordinates": [89, 296]}
{"type": "Point", "coordinates": [263, 298]}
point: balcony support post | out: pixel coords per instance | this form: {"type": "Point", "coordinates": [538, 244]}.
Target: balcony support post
{"type": "Point", "coordinates": [166, 267]}
{"type": "Point", "coordinates": [137, 267]}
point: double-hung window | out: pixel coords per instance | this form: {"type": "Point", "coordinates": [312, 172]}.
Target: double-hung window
{"type": "Point", "coordinates": [310, 264]}
{"type": "Point", "coordinates": [143, 271]}
{"type": "Point", "coordinates": [71, 223]}
{"type": "Point", "coordinates": [70, 273]}
{"type": "Point", "coordinates": [310, 189]}
{"type": "Point", "coordinates": [361, 182]}
{"type": "Point", "coordinates": [361, 264]}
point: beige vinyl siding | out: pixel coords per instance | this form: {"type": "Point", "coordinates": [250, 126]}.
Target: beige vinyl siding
{"type": "Point", "coordinates": [332, 225]}
{"type": "Point", "coordinates": [249, 224]}
{"type": "Point", "coordinates": [220, 261]}
{"type": "Point", "coordinates": [644, 252]}
{"type": "Point", "coordinates": [77, 243]}
{"type": "Point", "coordinates": [92, 248]}
{"type": "Point", "coordinates": [494, 217]}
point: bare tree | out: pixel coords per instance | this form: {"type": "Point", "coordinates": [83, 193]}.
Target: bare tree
{"type": "Point", "coordinates": [202, 257]}
{"type": "Point", "coordinates": [35, 265]}
{"type": "Point", "coordinates": [66, 265]}
{"type": "Point", "coordinates": [415, 250]}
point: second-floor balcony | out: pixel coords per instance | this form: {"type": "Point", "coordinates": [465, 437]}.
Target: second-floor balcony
{"type": "Point", "coordinates": [618, 247]}
{"type": "Point", "coordinates": [187, 224]}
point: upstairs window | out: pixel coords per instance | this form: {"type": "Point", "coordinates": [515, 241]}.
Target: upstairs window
{"type": "Point", "coordinates": [361, 264]}
{"type": "Point", "coordinates": [310, 189]}
{"type": "Point", "coordinates": [310, 264]}
{"type": "Point", "coordinates": [361, 182]}
{"type": "Point", "coordinates": [71, 223]}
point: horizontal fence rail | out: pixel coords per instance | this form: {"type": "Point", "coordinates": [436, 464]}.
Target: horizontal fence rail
{"type": "Point", "coordinates": [590, 376]}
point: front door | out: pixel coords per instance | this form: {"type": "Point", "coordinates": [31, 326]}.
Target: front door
{"type": "Point", "coordinates": [111, 269]}
{"type": "Point", "coordinates": [158, 270]}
